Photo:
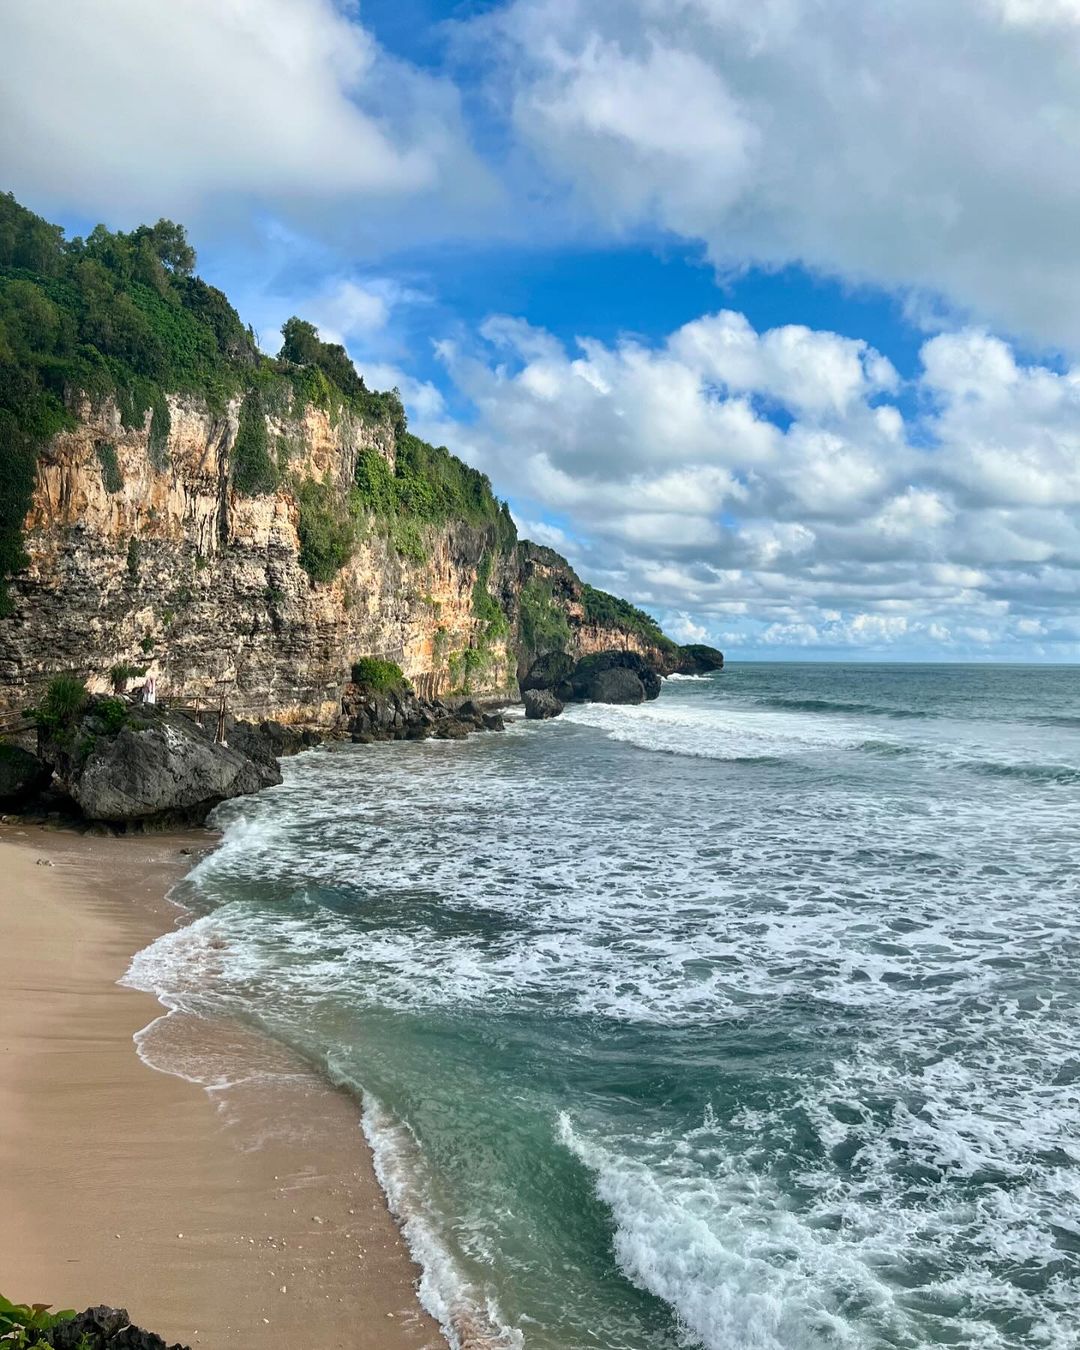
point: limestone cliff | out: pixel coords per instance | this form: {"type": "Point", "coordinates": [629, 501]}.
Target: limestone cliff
{"type": "Point", "coordinates": [165, 567]}
{"type": "Point", "coordinates": [147, 556]}
{"type": "Point", "coordinates": [175, 503]}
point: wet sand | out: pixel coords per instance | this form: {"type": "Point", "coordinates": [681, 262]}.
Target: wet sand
{"type": "Point", "coordinates": [245, 1217]}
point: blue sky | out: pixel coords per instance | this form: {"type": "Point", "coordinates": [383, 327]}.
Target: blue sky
{"type": "Point", "coordinates": [766, 316]}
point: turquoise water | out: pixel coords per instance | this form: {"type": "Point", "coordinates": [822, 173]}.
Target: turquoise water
{"type": "Point", "coordinates": [746, 1019]}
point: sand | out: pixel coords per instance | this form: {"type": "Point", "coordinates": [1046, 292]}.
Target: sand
{"type": "Point", "coordinates": [247, 1217]}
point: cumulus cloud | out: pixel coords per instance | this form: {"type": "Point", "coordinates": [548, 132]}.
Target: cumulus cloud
{"type": "Point", "coordinates": [770, 479]}
{"type": "Point", "coordinates": [923, 145]}
{"type": "Point", "coordinates": [123, 108]}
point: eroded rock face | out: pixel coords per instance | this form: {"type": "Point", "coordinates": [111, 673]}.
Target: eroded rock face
{"type": "Point", "coordinates": [22, 777]}
{"type": "Point", "coordinates": [153, 767]}
{"type": "Point", "coordinates": [212, 593]}
{"type": "Point", "coordinates": [540, 704]}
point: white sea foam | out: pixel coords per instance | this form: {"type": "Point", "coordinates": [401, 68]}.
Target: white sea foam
{"type": "Point", "coordinates": [468, 1315]}
{"type": "Point", "coordinates": [713, 731]}
{"type": "Point", "coordinates": [922, 1177]}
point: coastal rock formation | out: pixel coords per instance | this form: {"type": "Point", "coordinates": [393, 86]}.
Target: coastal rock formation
{"type": "Point", "coordinates": [541, 704]}
{"type": "Point", "coordinates": [178, 506]}
{"type": "Point", "coordinates": [127, 764]}
{"type": "Point", "coordinates": [101, 1328]}
{"type": "Point", "coordinates": [22, 777]}
{"type": "Point", "coordinates": [697, 659]}
{"type": "Point", "coordinates": [400, 715]}
{"type": "Point", "coordinates": [601, 677]}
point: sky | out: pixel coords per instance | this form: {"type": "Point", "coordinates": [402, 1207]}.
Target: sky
{"type": "Point", "coordinates": [766, 315]}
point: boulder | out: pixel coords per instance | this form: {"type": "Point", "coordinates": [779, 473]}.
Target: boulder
{"type": "Point", "coordinates": [697, 659]}
{"type": "Point", "coordinates": [617, 685]}
{"type": "Point", "coordinates": [548, 671]}
{"type": "Point", "coordinates": [22, 777]}
{"type": "Point", "coordinates": [611, 677]}
{"type": "Point", "coordinates": [138, 765]}
{"type": "Point", "coordinates": [541, 704]}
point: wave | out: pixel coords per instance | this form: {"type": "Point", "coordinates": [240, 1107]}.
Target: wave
{"type": "Point", "coordinates": [469, 1319]}
{"type": "Point", "coordinates": [1066, 775]}
{"type": "Point", "coordinates": [714, 730]}
{"type": "Point", "coordinates": [843, 706]}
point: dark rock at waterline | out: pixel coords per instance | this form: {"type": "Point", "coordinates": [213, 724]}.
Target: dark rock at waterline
{"type": "Point", "coordinates": [602, 677]}
{"type": "Point", "coordinates": [266, 742]}
{"type": "Point", "coordinates": [548, 671]}
{"type": "Point", "coordinates": [399, 715]}
{"type": "Point", "coordinates": [541, 704]}
{"type": "Point", "coordinates": [697, 659]}
{"type": "Point", "coordinates": [611, 677]}
{"type": "Point", "coordinates": [23, 777]}
{"type": "Point", "coordinates": [617, 685]}
{"type": "Point", "coordinates": [102, 1328]}
{"type": "Point", "coordinates": [138, 764]}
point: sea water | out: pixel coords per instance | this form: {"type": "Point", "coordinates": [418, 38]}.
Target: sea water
{"type": "Point", "coordinates": [747, 1019]}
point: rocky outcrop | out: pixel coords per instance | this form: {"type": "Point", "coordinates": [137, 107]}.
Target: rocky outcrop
{"type": "Point", "coordinates": [602, 677]}
{"type": "Point", "coordinates": [400, 715]}
{"type": "Point", "coordinates": [541, 704]}
{"type": "Point", "coordinates": [697, 659]}
{"type": "Point", "coordinates": [128, 764]}
{"type": "Point", "coordinates": [101, 1328]}
{"type": "Point", "coordinates": [22, 777]}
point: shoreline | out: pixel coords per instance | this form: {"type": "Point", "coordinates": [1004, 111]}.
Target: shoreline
{"type": "Point", "coordinates": [244, 1213]}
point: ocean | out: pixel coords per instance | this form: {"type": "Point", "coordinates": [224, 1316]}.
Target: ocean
{"type": "Point", "coordinates": [746, 1019]}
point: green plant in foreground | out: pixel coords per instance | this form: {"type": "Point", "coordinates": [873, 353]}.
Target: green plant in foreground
{"type": "Point", "coordinates": [20, 1322]}
{"type": "Point", "coordinates": [64, 699]}
{"type": "Point", "coordinates": [375, 673]}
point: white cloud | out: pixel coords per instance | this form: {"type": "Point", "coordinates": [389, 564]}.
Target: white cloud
{"type": "Point", "coordinates": [837, 526]}
{"type": "Point", "coordinates": [124, 108]}
{"type": "Point", "coordinates": [926, 145]}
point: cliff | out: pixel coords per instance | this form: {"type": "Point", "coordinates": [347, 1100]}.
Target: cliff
{"type": "Point", "coordinates": [175, 504]}
{"type": "Point", "coordinates": [158, 563]}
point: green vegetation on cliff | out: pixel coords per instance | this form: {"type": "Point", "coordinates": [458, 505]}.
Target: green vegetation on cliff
{"type": "Point", "coordinates": [543, 623]}
{"type": "Point", "coordinates": [123, 314]}
{"type": "Point", "coordinates": [610, 612]}
{"type": "Point", "coordinates": [372, 672]}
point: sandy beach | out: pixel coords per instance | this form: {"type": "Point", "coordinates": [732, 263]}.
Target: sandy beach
{"type": "Point", "coordinates": [248, 1217]}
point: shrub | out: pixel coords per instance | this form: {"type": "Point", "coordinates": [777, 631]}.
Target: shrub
{"type": "Point", "coordinates": [113, 712]}
{"type": "Point", "coordinates": [544, 626]}
{"type": "Point", "coordinates": [147, 644]}
{"type": "Point", "coordinates": [327, 530]}
{"type": "Point", "coordinates": [374, 673]}
{"type": "Point", "coordinates": [64, 699]}
{"type": "Point", "coordinates": [160, 429]}
{"type": "Point", "coordinates": [484, 605]}
{"type": "Point", "coordinates": [111, 474]}
{"type": "Point", "coordinates": [133, 552]}
{"type": "Point", "coordinates": [121, 675]}
{"type": "Point", "coordinates": [254, 472]}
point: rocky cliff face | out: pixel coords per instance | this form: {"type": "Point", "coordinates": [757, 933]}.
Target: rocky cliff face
{"type": "Point", "coordinates": [152, 559]}
{"type": "Point", "coordinates": [145, 555]}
